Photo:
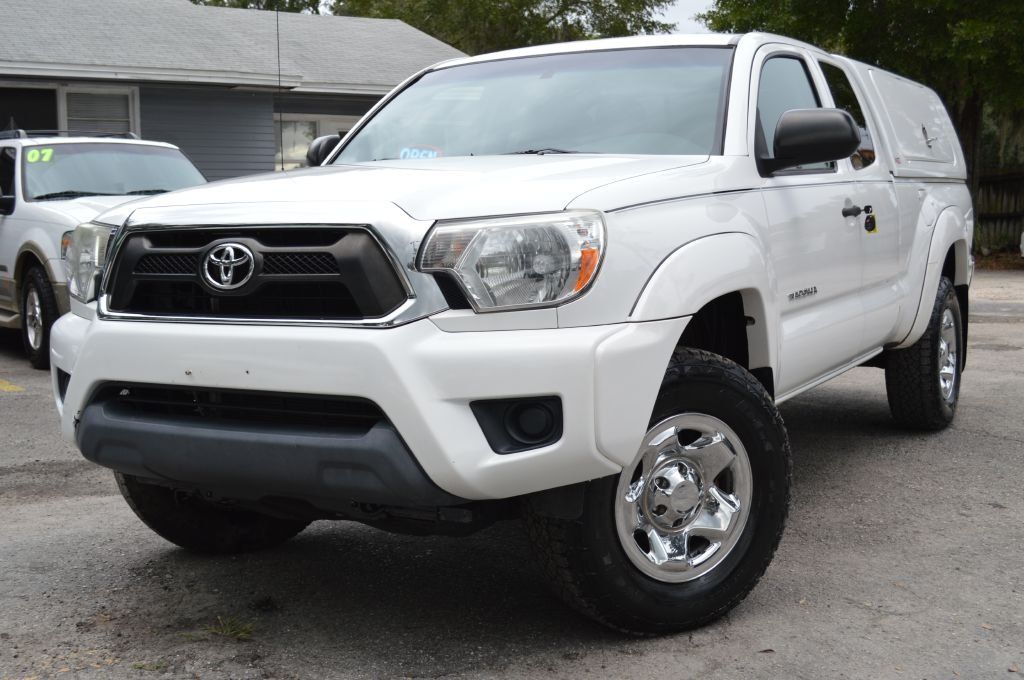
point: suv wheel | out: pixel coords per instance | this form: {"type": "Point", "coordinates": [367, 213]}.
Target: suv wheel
{"type": "Point", "coordinates": [38, 312]}
{"type": "Point", "coordinates": [922, 382]}
{"type": "Point", "coordinates": [187, 520]}
{"type": "Point", "coordinates": [683, 533]}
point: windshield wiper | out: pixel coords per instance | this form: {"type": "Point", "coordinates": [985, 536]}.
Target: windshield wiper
{"type": "Point", "coordinates": [71, 193]}
{"type": "Point", "coordinates": [541, 152]}
{"type": "Point", "coordinates": [147, 192]}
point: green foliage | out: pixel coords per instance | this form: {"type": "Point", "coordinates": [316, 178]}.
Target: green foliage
{"type": "Point", "coordinates": [476, 26]}
{"type": "Point", "coordinates": [970, 51]}
{"type": "Point", "coordinates": [490, 25]}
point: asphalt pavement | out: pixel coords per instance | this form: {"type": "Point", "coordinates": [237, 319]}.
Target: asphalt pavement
{"type": "Point", "coordinates": [902, 559]}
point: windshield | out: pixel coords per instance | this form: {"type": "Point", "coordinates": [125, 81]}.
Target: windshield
{"type": "Point", "coordinates": [638, 101]}
{"type": "Point", "coordinates": [56, 171]}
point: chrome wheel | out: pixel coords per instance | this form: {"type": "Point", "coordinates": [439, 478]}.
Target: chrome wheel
{"type": "Point", "coordinates": [681, 507]}
{"type": "Point", "coordinates": [33, 318]}
{"type": "Point", "coordinates": [948, 333]}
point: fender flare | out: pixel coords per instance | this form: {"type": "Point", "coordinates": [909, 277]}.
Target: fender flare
{"type": "Point", "coordinates": [706, 268]}
{"type": "Point", "coordinates": [951, 229]}
{"type": "Point", "coordinates": [39, 253]}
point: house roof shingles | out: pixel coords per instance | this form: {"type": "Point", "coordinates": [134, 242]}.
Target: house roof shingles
{"type": "Point", "coordinates": [177, 41]}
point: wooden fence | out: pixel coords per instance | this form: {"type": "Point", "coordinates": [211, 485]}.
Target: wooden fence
{"type": "Point", "coordinates": [1000, 212]}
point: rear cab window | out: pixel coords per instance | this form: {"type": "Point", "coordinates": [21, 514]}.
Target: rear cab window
{"type": "Point", "coordinates": [846, 97]}
{"type": "Point", "coordinates": [785, 84]}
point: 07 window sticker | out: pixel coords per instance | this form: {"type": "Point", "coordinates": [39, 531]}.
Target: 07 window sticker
{"type": "Point", "coordinates": [44, 155]}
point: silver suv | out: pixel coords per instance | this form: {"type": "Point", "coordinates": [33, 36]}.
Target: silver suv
{"type": "Point", "coordinates": [48, 186]}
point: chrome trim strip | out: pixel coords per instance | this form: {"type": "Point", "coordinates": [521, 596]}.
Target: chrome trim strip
{"type": "Point", "coordinates": [410, 310]}
{"type": "Point", "coordinates": [395, 318]}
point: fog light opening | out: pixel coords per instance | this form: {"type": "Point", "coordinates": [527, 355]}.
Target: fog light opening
{"type": "Point", "coordinates": [529, 422]}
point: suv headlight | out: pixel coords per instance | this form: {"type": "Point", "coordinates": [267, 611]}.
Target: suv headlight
{"type": "Point", "coordinates": [84, 259]}
{"type": "Point", "coordinates": [518, 262]}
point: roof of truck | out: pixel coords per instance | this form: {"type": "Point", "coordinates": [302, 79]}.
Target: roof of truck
{"type": "Point", "coordinates": [62, 139]}
{"type": "Point", "coordinates": [670, 40]}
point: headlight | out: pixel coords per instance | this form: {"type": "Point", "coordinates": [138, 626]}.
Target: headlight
{"type": "Point", "coordinates": [84, 259]}
{"type": "Point", "coordinates": [518, 262]}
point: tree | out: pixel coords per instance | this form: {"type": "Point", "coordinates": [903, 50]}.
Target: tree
{"type": "Point", "coordinates": [970, 51]}
{"type": "Point", "coordinates": [490, 25]}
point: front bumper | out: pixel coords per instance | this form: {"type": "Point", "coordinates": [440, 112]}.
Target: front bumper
{"type": "Point", "coordinates": [420, 376]}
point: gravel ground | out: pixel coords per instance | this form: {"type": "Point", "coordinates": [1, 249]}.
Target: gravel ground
{"type": "Point", "coordinates": [902, 559]}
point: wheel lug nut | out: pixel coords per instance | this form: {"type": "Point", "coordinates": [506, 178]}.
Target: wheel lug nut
{"type": "Point", "coordinates": [660, 510]}
{"type": "Point", "coordinates": [661, 483]}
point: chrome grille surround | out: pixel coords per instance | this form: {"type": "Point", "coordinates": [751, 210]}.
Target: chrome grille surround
{"type": "Point", "coordinates": [396, 232]}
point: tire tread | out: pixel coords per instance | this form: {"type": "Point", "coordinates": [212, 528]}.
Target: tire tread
{"type": "Point", "coordinates": [911, 382]}
{"type": "Point", "coordinates": [552, 537]}
{"type": "Point", "coordinates": [36, 277]}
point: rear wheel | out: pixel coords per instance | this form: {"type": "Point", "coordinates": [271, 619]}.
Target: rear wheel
{"type": "Point", "coordinates": [38, 312]}
{"type": "Point", "coordinates": [199, 526]}
{"type": "Point", "coordinates": [922, 382]}
{"type": "Point", "coordinates": [686, 531]}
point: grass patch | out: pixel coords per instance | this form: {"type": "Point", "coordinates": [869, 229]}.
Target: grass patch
{"type": "Point", "coordinates": [1001, 261]}
{"type": "Point", "coordinates": [228, 627]}
{"type": "Point", "coordinates": [149, 665]}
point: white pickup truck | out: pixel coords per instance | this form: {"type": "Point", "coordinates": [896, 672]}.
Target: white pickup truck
{"type": "Point", "coordinates": [49, 184]}
{"type": "Point", "coordinates": [570, 283]}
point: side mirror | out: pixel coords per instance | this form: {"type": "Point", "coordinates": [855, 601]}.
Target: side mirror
{"type": "Point", "coordinates": [6, 205]}
{"type": "Point", "coordinates": [806, 136]}
{"type": "Point", "coordinates": [320, 149]}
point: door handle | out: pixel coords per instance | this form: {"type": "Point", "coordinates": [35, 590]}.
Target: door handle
{"type": "Point", "coordinates": [853, 210]}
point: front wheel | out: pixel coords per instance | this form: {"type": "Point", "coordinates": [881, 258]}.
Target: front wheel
{"type": "Point", "coordinates": [685, 531]}
{"type": "Point", "coordinates": [200, 526]}
{"type": "Point", "coordinates": [38, 312]}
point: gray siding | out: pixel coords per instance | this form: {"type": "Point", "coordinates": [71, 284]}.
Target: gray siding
{"type": "Point", "coordinates": [325, 105]}
{"type": "Point", "coordinates": [225, 133]}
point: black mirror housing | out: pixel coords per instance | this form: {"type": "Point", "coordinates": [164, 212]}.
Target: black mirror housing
{"type": "Point", "coordinates": [806, 136]}
{"type": "Point", "coordinates": [6, 205]}
{"type": "Point", "coordinates": [320, 149]}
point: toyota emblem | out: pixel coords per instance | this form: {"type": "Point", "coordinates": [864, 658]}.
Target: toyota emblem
{"type": "Point", "coordinates": [228, 266]}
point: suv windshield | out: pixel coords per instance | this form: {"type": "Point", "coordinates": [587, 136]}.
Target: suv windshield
{"type": "Point", "coordinates": [56, 171]}
{"type": "Point", "coordinates": [637, 101]}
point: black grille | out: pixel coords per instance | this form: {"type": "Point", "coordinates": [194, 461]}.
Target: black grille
{"type": "Point", "coordinates": [328, 273]}
{"type": "Point", "coordinates": [243, 407]}
{"type": "Point", "coordinates": [299, 263]}
{"type": "Point", "coordinates": [167, 264]}
{"type": "Point", "coordinates": [280, 300]}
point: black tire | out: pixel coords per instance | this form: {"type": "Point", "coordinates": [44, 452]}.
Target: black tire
{"type": "Point", "coordinates": [912, 380]}
{"type": "Point", "coordinates": [202, 527]}
{"type": "Point", "coordinates": [36, 283]}
{"type": "Point", "coordinates": [585, 560]}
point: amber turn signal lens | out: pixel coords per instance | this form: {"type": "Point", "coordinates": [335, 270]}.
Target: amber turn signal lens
{"type": "Point", "coordinates": [589, 258]}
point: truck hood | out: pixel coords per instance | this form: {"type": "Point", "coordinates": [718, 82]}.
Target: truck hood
{"type": "Point", "coordinates": [432, 189]}
{"type": "Point", "coordinates": [77, 210]}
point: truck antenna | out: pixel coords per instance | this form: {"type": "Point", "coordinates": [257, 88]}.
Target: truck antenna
{"type": "Point", "coordinates": [277, 95]}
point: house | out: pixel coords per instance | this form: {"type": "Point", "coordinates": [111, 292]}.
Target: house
{"type": "Point", "coordinates": [240, 91]}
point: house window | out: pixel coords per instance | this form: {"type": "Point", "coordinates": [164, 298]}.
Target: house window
{"type": "Point", "coordinates": [100, 111]}
{"type": "Point", "coordinates": [296, 131]}
{"type": "Point", "coordinates": [80, 109]}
